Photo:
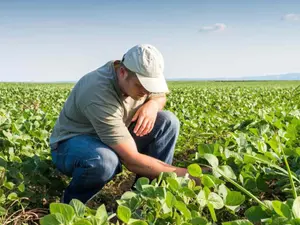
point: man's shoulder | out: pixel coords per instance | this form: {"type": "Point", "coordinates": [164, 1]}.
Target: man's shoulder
{"type": "Point", "coordinates": [102, 75]}
{"type": "Point", "coordinates": [98, 87]}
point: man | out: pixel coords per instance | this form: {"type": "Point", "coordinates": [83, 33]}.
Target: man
{"type": "Point", "coordinates": [114, 116]}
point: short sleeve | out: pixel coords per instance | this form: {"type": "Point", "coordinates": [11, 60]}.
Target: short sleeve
{"type": "Point", "coordinates": [155, 95]}
{"type": "Point", "coordinates": [107, 121]}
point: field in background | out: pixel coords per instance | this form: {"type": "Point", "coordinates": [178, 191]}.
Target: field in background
{"type": "Point", "coordinates": [248, 132]}
{"type": "Point", "coordinates": [172, 84]}
{"type": "Point", "coordinates": [278, 84]}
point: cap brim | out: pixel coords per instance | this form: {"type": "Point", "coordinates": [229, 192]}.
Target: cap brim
{"type": "Point", "coordinates": [154, 84]}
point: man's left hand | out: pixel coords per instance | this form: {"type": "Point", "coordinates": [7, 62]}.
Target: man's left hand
{"type": "Point", "coordinates": [145, 116]}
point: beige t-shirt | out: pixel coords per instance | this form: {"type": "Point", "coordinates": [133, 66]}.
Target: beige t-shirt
{"type": "Point", "coordinates": [97, 106]}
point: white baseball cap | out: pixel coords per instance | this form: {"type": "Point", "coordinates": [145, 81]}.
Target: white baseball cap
{"type": "Point", "coordinates": [148, 64]}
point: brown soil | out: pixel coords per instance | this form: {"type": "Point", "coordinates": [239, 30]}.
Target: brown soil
{"type": "Point", "coordinates": [113, 191]}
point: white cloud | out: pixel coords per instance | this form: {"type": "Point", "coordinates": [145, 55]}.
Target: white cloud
{"type": "Point", "coordinates": [291, 17]}
{"type": "Point", "coordinates": [216, 27]}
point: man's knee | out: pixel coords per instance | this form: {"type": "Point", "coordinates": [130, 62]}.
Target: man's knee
{"type": "Point", "coordinates": [169, 119]}
{"type": "Point", "coordinates": [104, 166]}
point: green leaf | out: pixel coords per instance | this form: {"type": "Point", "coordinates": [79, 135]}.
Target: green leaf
{"type": "Point", "coordinates": [223, 191]}
{"type": "Point", "coordinates": [212, 160]}
{"type": "Point", "coordinates": [140, 182]}
{"type": "Point", "coordinates": [12, 196]}
{"type": "Point", "coordinates": [183, 209]}
{"type": "Point", "coordinates": [2, 211]}
{"type": "Point", "coordinates": [250, 184]}
{"type": "Point", "coordinates": [262, 159]}
{"type": "Point", "coordinates": [139, 222]}
{"type": "Point", "coordinates": [198, 221]}
{"type": "Point", "coordinates": [279, 221]}
{"type": "Point", "coordinates": [16, 159]}
{"type": "Point", "coordinates": [7, 134]}
{"type": "Point", "coordinates": [21, 187]}
{"type": "Point", "coordinates": [150, 217]}
{"type": "Point", "coordinates": [78, 206]}
{"type": "Point", "coordinates": [295, 222]}
{"type": "Point", "coordinates": [66, 210]}
{"type": "Point", "coordinates": [102, 213]}
{"type": "Point", "coordinates": [282, 209]}
{"type": "Point", "coordinates": [95, 221]}
{"type": "Point", "coordinates": [261, 183]}
{"type": "Point", "coordinates": [256, 214]}
{"type": "Point", "coordinates": [82, 222]}
{"type": "Point", "coordinates": [9, 185]}
{"type": "Point", "coordinates": [173, 183]}
{"type": "Point", "coordinates": [134, 203]}
{"type": "Point", "coordinates": [241, 140]}
{"type": "Point", "coordinates": [53, 219]}
{"type": "Point", "coordinates": [50, 220]}
{"type": "Point", "coordinates": [238, 222]}
{"type": "Point", "coordinates": [2, 197]}
{"type": "Point", "coordinates": [164, 209]}
{"type": "Point", "coordinates": [296, 207]}
{"type": "Point", "coordinates": [149, 191]}
{"type": "Point", "coordinates": [227, 171]}
{"type": "Point", "coordinates": [274, 144]}
{"type": "Point", "coordinates": [194, 170]}
{"type": "Point", "coordinates": [207, 181]}
{"type": "Point", "coordinates": [123, 213]}
{"type": "Point", "coordinates": [205, 148]}
{"type": "Point", "coordinates": [170, 199]}
{"type": "Point", "coordinates": [234, 198]}
{"type": "Point", "coordinates": [160, 192]}
{"type": "Point", "coordinates": [212, 212]}
{"type": "Point", "coordinates": [188, 192]}
{"type": "Point", "coordinates": [215, 200]}
{"type": "Point", "coordinates": [201, 198]}
{"type": "Point", "coordinates": [128, 195]}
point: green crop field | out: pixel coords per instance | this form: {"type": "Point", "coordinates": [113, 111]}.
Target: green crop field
{"type": "Point", "coordinates": [248, 133]}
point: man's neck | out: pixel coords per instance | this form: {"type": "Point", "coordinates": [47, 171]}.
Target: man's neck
{"type": "Point", "coordinates": [117, 68]}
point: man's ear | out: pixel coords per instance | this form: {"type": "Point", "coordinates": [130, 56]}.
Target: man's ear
{"type": "Point", "coordinates": [123, 72]}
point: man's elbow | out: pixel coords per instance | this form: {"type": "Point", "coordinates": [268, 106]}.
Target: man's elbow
{"type": "Point", "coordinates": [127, 164]}
{"type": "Point", "coordinates": [130, 162]}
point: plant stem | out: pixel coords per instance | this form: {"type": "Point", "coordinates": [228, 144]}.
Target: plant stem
{"type": "Point", "coordinates": [241, 188]}
{"type": "Point", "coordinates": [271, 165]}
{"type": "Point", "coordinates": [290, 174]}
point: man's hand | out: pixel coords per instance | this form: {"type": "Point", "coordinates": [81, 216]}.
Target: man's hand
{"type": "Point", "coordinates": [145, 116]}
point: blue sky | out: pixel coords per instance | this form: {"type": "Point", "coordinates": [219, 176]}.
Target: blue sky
{"type": "Point", "coordinates": [63, 40]}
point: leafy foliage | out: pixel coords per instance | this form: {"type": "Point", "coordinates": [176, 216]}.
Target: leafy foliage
{"type": "Point", "coordinates": [247, 133]}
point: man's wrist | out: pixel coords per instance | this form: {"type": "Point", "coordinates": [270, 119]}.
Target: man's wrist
{"type": "Point", "coordinates": [159, 100]}
{"type": "Point", "coordinates": [152, 101]}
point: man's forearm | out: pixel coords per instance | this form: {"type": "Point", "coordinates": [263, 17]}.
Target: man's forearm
{"type": "Point", "coordinates": [150, 167]}
{"type": "Point", "coordinates": [142, 164]}
{"type": "Point", "coordinates": [159, 100]}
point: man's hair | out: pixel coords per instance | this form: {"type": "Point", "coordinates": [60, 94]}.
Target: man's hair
{"type": "Point", "coordinates": [131, 74]}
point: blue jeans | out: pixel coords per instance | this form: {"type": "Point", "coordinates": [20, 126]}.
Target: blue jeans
{"type": "Point", "coordinates": [92, 164]}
